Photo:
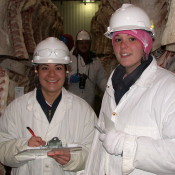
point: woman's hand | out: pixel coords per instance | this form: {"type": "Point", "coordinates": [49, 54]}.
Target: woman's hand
{"type": "Point", "coordinates": [35, 141]}
{"type": "Point", "coordinates": [113, 141]}
{"type": "Point", "coordinates": [61, 156]}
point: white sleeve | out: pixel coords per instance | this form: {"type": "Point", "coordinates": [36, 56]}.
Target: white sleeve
{"type": "Point", "coordinates": [157, 155]}
{"type": "Point", "coordinates": [10, 145]}
{"type": "Point", "coordinates": [8, 150]}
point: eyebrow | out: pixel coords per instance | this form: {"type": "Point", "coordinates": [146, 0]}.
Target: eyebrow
{"type": "Point", "coordinates": [124, 33]}
{"type": "Point", "coordinates": [59, 65]}
{"type": "Point", "coordinates": [49, 63]}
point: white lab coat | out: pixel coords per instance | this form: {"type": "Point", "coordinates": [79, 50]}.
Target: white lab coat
{"type": "Point", "coordinates": [96, 77]}
{"type": "Point", "coordinates": [147, 111]}
{"type": "Point", "coordinates": [73, 123]}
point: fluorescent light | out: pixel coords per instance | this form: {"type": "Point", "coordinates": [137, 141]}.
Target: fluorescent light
{"type": "Point", "coordinates": [87, 1]}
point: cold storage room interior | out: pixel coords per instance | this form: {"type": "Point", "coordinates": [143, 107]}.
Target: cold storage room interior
{"type": "Point", "coordinates": [25, 23]}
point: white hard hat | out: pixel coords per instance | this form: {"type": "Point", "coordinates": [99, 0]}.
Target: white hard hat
{"type": "Point", "coordinates": [129, 17]}
{"type": "Point", "coordinates": [83, 35]}
{"type": "Point", "coordinates": [51, 50]}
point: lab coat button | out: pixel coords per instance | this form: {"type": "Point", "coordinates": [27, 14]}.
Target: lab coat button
{"type": "Point", "coordinates": [47, 166]}
{"type": "Point", "coordinates": [114, 113]}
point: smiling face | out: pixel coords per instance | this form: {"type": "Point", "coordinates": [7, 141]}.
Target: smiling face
{"type": "Point", "coordinates": [51, 78]}
{"type": "Point", "coordinates": [128, 50]}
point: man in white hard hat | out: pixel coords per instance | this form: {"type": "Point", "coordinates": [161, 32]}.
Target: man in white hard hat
{"type": "Point", "coordinates": [53, 114]}
{"type": "Point", "coordinates": [86, 70]}
{"type": "Point", "coordinates": [137, 119]}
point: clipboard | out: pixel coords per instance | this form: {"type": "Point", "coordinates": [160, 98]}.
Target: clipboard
{"type": "Point", "coordinates": [36, 152]}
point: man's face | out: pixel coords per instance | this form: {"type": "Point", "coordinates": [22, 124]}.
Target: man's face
{"type": "Point", "coordinates": [83, 45]}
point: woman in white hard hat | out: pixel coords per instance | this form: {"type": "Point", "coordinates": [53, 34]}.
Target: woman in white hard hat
{"type": "Point", "coordinates": [53, 114]}
{"type": "Point", "coordinates": [86, 70]}
{"type": "Point", "coordinates": [137, 118]}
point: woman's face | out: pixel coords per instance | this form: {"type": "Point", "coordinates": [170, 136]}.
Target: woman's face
{"type": "Point", "coordinates": [128, 50]}
{"type": "Point", "coordinates": [51, 78]}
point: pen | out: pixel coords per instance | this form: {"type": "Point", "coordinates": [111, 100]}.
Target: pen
{"type": "Point", "coordinates": [99, 129]}
{"type": "Point", "coordinates": [30, 130]}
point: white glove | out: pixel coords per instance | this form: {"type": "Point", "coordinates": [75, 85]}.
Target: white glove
{"type": "Point", "coordinates": [113, 141]}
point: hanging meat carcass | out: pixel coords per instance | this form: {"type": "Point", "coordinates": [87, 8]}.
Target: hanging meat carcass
{"type": "Point", "coordinates": [168, 37]}
{"type": "Point", "coordinates": [46, 21]}
{"type": "Point", "coordinates": [26, 14]}
{"type": "Point", "coordinates": [6, 47]}
{"type": "Point", "coordinates": [37, 17]}
{"type": "Point", "coordinates": [20, 74]}
{"type": "Point", "coordinates": [16, 28]}
{"type": "Point", "coordinates": [158, 13]}
{"type": "Point", "coordinates": [51, 18]}
{"type": "Point", "coordinates": [4, 85]}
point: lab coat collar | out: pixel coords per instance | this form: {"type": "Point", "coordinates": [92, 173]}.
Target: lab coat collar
{"type": "Point", "coordinates": [145, 80]}
{"type": "Point", "coordinates": [65, 104]}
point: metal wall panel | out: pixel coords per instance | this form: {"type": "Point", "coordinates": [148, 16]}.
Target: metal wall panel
{"type": "Point", "coordinates": [76, 15]}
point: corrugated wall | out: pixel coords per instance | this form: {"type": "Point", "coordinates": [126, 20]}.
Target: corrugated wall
{"type": "Point", "coordinates": [76, 15]}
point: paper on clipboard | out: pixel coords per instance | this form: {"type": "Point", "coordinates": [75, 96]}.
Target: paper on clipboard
{"type": "Point", "coordinates": [38, 153]}
{"type": "Point", "coordinates": [109, 124]}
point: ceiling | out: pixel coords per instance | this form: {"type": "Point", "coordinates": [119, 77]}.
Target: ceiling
{"type": "Point", "coordinates": [69, 0]}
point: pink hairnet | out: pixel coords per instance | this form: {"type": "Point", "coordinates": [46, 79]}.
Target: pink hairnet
{"type": "Point", "coordinates": [141, 35]}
